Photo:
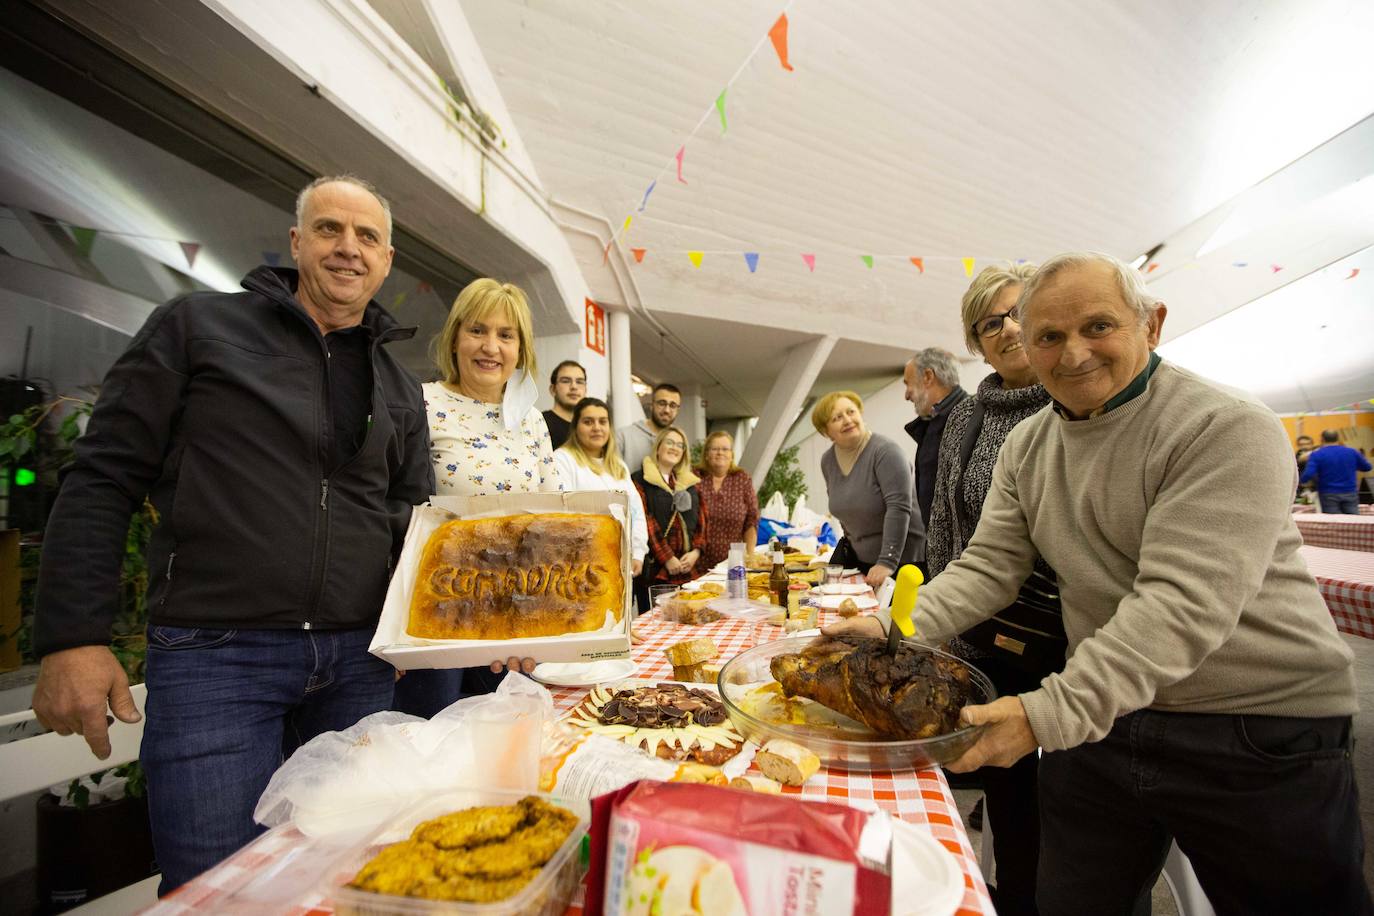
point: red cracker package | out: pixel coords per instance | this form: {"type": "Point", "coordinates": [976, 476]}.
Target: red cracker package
{"type": "Point", "coordinates": [674, 849]}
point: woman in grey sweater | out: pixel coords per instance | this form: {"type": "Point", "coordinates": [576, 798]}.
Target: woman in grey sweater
{"type": "Point", "coordinates": [869, 483]}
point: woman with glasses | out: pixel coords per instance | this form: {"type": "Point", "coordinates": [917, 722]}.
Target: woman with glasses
{"type": "Point", "coordinates": [728, 493]}
{"type": "Point", "coordinates": [674, 515]}
{"type": "Point", "coordinates": [589, 460]}
{"type": "Point", "coordinates": [869, 485]}
{"type": "Point", "coordinates": [973, 436]}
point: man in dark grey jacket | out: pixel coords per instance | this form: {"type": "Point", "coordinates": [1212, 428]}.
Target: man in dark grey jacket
{"type": "Point", "coordinates": [283, 448]}
{"type": "Point", "coordinates": [932, 386]}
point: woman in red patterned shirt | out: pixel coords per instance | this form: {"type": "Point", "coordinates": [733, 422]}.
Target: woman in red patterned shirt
{"type": "Point", "coordinates": [730, 500]}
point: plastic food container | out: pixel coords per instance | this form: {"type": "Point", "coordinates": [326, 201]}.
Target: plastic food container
{"type": "Point", "coordinates": [546, 895]}
{"type": "Point", "coordinates": [837, 740]}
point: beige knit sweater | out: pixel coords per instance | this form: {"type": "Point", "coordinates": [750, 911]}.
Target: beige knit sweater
{"type": "Point", "coordinates": [1169, 523]}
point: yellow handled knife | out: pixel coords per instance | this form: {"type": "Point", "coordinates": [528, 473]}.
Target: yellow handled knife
{"type": "Point", "coordinates": [909, 581]}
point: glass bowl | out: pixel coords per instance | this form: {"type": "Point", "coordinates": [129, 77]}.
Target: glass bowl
{"type": "Point", "coordinates": [838, 740]}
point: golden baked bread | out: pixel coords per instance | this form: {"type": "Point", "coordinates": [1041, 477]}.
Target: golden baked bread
{"type": "Point", "coordinates": [518, 576]}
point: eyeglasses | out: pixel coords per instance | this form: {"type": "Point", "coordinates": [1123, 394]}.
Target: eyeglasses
{"type": "Point", "coordinates": [673, 404]}
{"type": "Point", "coordinates": [722, 450]}
{"type": "Point", "coordinates": [991, 325]}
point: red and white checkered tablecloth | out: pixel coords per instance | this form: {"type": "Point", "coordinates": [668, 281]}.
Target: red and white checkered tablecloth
{"type": "Point", "coordinates": [1346, 580]}
{"type": "Point", "coordinates": [916, 796]}
{"type": "Point", "coordinates": [1304, 509]}
{"type": "Point", "coordinates": [1342, 532]}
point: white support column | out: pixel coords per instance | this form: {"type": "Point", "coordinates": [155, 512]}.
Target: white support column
{"type": "Point", "coordinates": [692, 419]}
{"type": "Point", "coordinates": [804, 362]}
{"type": "Point", "coordinates": [624, 405]}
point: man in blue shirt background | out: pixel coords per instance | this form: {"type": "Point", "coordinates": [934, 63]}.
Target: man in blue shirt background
{"type": "Point", "coordinates": [1334, 466]}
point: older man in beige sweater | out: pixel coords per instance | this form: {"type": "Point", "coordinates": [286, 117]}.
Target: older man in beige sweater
{"type": "Point", "coordinates": [1207, 697]}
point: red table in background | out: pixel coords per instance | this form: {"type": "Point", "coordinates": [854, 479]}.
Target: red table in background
{"type": "Point", "coordinates": [916, 796]}
{"type": "Point", "coordinates": [1346, 580]}
{"type": "Point", "coordinates": [1342, 532]}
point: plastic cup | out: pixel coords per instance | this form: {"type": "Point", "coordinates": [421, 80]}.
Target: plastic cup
{"type": "Point", "coordinates": [833, 574]}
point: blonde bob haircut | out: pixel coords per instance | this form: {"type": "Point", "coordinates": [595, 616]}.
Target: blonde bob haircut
{"type": "Point", "coordinates": [983, 292]}
{"type": "Point", "coordinates": [684, 462]}
{"type": "Point", "coordinates": [478, 301]}
{"type": "Point", "coordinates": [825, 408]}
{"type": "Point", "coordinates": [706, 447]}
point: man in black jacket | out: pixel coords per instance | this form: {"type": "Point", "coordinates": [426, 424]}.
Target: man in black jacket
{"type": "Point", "coordinates": [283, 448]}
{"type": "Point", "coordinates": [932, 387]}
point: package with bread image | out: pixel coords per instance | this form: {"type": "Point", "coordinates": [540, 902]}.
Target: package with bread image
{"type": "Point", "coordinates": [660, 848]}
{"type": "Point", "coordinates": [540, 575]}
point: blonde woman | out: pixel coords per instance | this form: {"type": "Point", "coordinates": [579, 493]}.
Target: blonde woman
{"type": "Point", "coordinates": [728, 493]}
{"type": "Point", "coordinates": [868, 481]}
{"type": "Point", "coordinates": [590, 460]}
{"type": "Point", "coordinates": [486, 436]}
{"type": "Point", "coordinates": [673, 512]}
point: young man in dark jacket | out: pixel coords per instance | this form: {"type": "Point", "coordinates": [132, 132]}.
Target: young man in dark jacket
{"type": "Point", "coordinates": [283, 448]}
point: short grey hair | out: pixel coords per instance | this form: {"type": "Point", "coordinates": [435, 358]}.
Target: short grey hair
{"type": "Point", "coordinates": [1128, 280]}
{"type": "Point", "coordinates": [941, 364]}
{"type": "Point", "coordinates": [343, 179]}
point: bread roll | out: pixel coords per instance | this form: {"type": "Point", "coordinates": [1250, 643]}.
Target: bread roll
{"type": "Point", "coordinates": [691, 651]}
{"type": "Point", "coordinates": [756, 784]}
{"type": "Point", "coordinates": [788, 763]}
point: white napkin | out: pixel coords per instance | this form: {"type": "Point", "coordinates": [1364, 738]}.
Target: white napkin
{"type": "Point", "coordinates": [521, 393]}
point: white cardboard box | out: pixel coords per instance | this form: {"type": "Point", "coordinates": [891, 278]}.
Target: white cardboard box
{"type": "Point", "coordinates": [393, 644]}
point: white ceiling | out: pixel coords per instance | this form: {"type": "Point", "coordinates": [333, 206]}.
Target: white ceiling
{"type": "Point", "coordinates": [993, 130]}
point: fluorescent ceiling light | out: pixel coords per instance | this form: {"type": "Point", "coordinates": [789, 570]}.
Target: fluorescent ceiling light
{"type": "Point", "coordinates": [1267, 207]}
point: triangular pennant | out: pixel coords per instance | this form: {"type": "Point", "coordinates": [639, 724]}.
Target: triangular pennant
{"type": "Point", "coordinates": [695, 258]}
{"type": "Point", "coordinates": [1240, 263]}
{"type": "Point", "coordinates": [1354, 272]}
{"type": "Point", "coordinates": [85, 238]}
{"type": "Point", "coordinates": [968, 266]}
{"type": "Point", "coordinates": [1021, 261]}
{"type": "Point", "coordinates": [639, 254]}
{"type": "Point", "coordinates": [626, 228]}
{"type": "Point", "coordinates": [271, 258]}
{"type": "Point", "coordinates": [720, 107]}
{"type": "Point", "coordinates": [190, 249]}
{"type": "Point", "coordinates": [867, 259]}
{"type": "Point", "coordinates": [920, 264]}
{"type": "Point", "coordinates": [606, 252]}
{"type": "Point", "coordinates": [422, 287]}
{"type": "Point", "coordinates": [810, 260]}
{"type": "Point", "coordinates": [1274, 268]}
{"type": "Point", "coordinates": [1152, 267]}
{"type": "Point", "coordinates": [653, 184]}
{"type": "Point", "coordinates": [752, 259]}
{"type": "Point", "coordinates": [398, 301]}
{"type": "Point", "coordinates": [778, 33]}
{"type": "Point", "coordinates": [680, 151]}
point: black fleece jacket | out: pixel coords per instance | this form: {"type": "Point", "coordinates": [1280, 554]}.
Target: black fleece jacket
{"type": "Point", "coordinates": [219, 412]}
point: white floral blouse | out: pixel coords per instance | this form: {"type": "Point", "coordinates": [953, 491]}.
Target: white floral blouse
{"type": "Point", "coordinates": [474, 454]}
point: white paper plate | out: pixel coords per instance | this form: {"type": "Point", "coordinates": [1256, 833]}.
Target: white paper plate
{"type": "Point", "coordinates": [832, 602]}
{"type": "Point", "coordinates": [926, 879]}
{"type": "Point", "coordinates": [583, 674]}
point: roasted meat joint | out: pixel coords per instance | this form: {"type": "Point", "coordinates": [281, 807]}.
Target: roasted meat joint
{"type": "Point", "coordinates": [914, 694]}
{"type": "Point", "coordinates": [518, 575]}
{"type": "Point", "coordinates": [478, 855]}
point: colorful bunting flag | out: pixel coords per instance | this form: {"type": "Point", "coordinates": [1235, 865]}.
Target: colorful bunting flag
{"type": "Point", "coordinates": [1274, 268]}
{"type": "Point", "coordinates": [920, 264]}
{"type": "Point", "coordinates": [1354, 272]}
{"type": "Point", "coordinates": [720, 107]}
{"type": "Point", "coordinates": [810, 260]}
{"type": "Point", "coordinates": [190, 249]}
{"type": "Point", "coordinates": [778, 34]}
{"type": "Point", "coordinates": [606, 252]}
{"type": "Point", "coordinates": [695, 258]}
{"type": "Point", "coordinates": [85, 239]}
{"type": "Point", "coordinates": [680, 151]}
{"type": "Point", "coordinates": [1240, 263]}
{"type": "Point", "coordinates": [399, 300]}
{"type": "Point", "coordinates": [1152, 267]}
{"type": "Point", "coordinates": [968, 266]}
{"type": "Point", "coordinates": [639, 255]}
{"type": "Point", "coordinates": [422, 287]}
{"type": "Point", "coordinates": [752, 259]}
{"type": "Point", "coordinates": [653, 184]}
{"type": "Point", "coordinates": [867, 259]}
{"type": "Point", "coordinates": [271, 258]}
{"type": "Point", "coordinates": [626, 228]}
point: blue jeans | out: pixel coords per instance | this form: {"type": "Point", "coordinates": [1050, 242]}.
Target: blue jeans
{"type": "Point", "coordinates": [1264, 807]}
{"type": "Point", "coordinates": [1340, 503]}
{"type": "Point", "coordinates": [225, 708]}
